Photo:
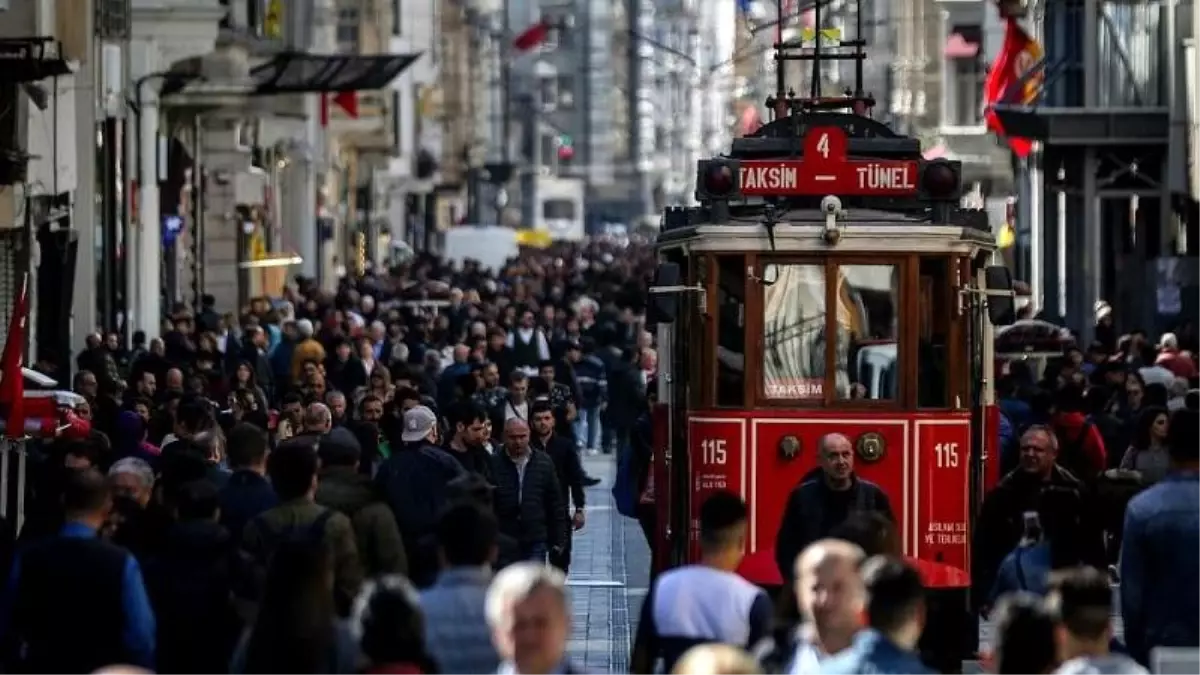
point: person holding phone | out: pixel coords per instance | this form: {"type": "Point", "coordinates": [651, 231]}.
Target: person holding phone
{"type": "Point", "coordinates": [1046, 545]}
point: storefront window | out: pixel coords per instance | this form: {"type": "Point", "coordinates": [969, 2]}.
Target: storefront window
{"type": "Point", "coordinates": [867, 321]}
{"type": "Point", "coordinates": [794, 332]}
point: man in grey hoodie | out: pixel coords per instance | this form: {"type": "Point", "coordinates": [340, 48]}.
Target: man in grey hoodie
{"type": "Point", "coordinates": [1081, 602]}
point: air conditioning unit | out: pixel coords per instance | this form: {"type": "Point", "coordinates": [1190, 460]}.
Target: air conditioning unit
{"type": "Point", "coordinates": [566, 99]}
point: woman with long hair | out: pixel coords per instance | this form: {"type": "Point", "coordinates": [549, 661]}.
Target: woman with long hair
{"type": "Point", "coordinates": [1147, 454]}
{"type": "Point", "coordinates": [390, 628]}
{"type": "Point", "coordinates": [296, 629]}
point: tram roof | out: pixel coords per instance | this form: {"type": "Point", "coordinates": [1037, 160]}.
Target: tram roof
{"type": "Point", "coordinates": [862, 231]}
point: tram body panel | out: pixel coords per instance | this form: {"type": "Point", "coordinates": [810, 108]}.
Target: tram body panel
{"type": "Point", "coordinates": [924, 471]}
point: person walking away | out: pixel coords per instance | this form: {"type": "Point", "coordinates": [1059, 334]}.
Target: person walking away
{"type": "Point", "coordinates": [830, 596]}
{"type": "Point", "coordinates": [567, 469]}
{"type": "Point", "coordinates": [474, 489]}
{"type": "Point", "coordinates": [307, 349]}
{"type": "Point", "coordinates": [1024, 636]}
{"type": "Point", "coordinates": [1047, 544]}
{"type": "Point", "coordinates": [1081, 447]}
{"type": "Point", "coordinates": [74, 602]}
{"type": "Point", "coordinates": [1160, 552]}
{"type": "Point", "coordinates": [705, 602]}
{"type": "Point", "coordinates": [823, 500]}
{"type": "Point", "coordinates": [456, 629]}
{"type": "Point", "coordinates": [293, 473]}
{"type": "Point", "coordinates": [190, 584]}
{"type": "Point", "coordinates": [343, 488]}
{"type": "Point", "coordinates": [414, 482]}
{"type": "Point", "coordinates": [247, 493]}
{"type": "Point", "coordinates": [528, 611]}
{"type": "Point", "coordinates": [591, 374]}
{"type": "Point", "coordinates": [1081, 602]}
{"type": "Point", "coordinates": [895, 621]}
{"type": "Point", "coordinates": [297, 628]}
{"type": "Point", "coordinates": [390, 629]}
{"type": "Point", "coordinates": [528, 498]}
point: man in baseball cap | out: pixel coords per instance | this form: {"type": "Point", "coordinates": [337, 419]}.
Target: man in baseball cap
{"type": "Point", "coordinates": [420, 424]}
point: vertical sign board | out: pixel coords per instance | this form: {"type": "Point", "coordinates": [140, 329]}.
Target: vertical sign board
{"type": "Point", "coordinates": [942, 490]}
{"type": "Point", "coordinates": [716, 462]}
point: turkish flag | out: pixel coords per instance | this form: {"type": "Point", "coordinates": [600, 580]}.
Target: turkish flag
{"type": "Point", "coordinates": [12, 381]}
{"type": "Point", "coordinates": [346, 100]}
{"type": "Point", "coordinates": [532, 37]}
{"type": "Point", "coordinates": [1018, 56]}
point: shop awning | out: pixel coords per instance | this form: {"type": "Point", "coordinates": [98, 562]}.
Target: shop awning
{"type": "Point", "coordinates": [312, 73]}
{"type": "Point", "coordinates": [959, 46]}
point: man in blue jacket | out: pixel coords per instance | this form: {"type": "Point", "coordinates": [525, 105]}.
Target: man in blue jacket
{"type": "Point", "coordinates": [75, 602]}
{"type": "Point", "coordinates": [895, 620]}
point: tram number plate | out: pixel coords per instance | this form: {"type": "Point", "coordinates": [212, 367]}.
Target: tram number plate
{"type": "Point", "coordinates": [942, 492]}
{"type": "Point", "coordinates": [716, 462]}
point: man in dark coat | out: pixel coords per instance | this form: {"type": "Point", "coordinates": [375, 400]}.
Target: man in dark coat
{"type": "Point", "coordinates": [823, 500]}
{"type": "Point", "coordinates": [528, 498]}
{"type": "Point", "coordinates": [568, 469]}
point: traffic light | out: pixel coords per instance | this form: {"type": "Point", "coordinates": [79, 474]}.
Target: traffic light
{"type": "Point", "coordinates": [716, 179]}
{"type": "Point", "coordinates": [566, 148]}
{"type": "Point", "coordinates": [941, 181]}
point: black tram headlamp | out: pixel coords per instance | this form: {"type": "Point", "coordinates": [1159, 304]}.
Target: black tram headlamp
{"type": "Point", "coordinates": [717, 180]}
{"type": "Point", "coordinates": [941, 180]}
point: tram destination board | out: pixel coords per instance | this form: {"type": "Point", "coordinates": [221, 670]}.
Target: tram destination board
{"type": "Point", "coordinates": [826, 170]}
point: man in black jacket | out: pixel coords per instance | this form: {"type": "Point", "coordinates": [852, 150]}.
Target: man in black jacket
{"type": "Point", "coordinates": [528, 498]}
{"type": "Point", "coordinates": [823, 500]}
{"type": "Point", "coordinates": [468, 432]}
{"type": "Point", "coordinates": [561, 451]}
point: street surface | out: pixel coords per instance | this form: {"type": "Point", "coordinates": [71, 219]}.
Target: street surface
{"type": "Point", "coordinates": [610, 573]}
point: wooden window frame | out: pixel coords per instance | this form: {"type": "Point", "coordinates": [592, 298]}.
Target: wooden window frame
{"type": "Point", "coordinates": [908, 324]}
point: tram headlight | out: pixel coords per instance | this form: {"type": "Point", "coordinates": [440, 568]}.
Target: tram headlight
{"type": "Point", "coordinates": [940, 180]}
{"type": "Point", "coordinates": [871, 447]}
{"type": "Point", "coordinates": [789, 448]}
{"type": "Point", "coordinates": [716, 180]}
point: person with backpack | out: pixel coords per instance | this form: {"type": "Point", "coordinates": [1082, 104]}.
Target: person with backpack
{"type": "Point", "coordinates": [293, 473]}
{"type": "Point", "coordinates": [1081, 447]}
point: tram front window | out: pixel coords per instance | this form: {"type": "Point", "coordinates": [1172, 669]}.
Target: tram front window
{"type": "Point", "coordinates": [868, 303]}
{"type": "Point", "coordinates": [794, 332]}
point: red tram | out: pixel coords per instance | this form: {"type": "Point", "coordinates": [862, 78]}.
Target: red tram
{"type": "Point", "coordinates": [827, 282]}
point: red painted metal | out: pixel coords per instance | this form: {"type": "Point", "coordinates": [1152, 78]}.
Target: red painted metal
{"type": "Point", "coordinates": [925, 472]}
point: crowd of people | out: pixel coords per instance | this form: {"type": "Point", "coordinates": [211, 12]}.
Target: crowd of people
{"type": "Point", "coordinates": [324, 483]}
{"type": "Point", "coordinates": [388, 479]}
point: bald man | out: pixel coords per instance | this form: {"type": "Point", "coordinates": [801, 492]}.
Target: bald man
{"type": "Point", "coordinates": [830, 596]}
{"type": "Point", "coordinates": [823, 500]}
{"type": "Point", "coordinates": [527, 498]}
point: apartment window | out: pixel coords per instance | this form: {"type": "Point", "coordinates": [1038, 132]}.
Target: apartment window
{"type": "Point", "coordinates": [397, 11]}
{"type": "Point", "coordinates": [548, 92]}
{"type": "Point", "coordinates": [566, 91]}
{"type": "Point", "coordinates": [966, 88]}
{"type": "Point", "coordinates": [965, 74]}
{"type": "Point", "coordinates": [550, 143]}
{"type": "Point", "coordinates": [348, 21]}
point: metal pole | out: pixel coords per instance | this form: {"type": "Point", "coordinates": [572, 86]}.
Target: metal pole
{"type": "Point", "coordinates": [1035, 189]}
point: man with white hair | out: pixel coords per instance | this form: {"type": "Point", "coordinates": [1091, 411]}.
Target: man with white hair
{"type": "Point", "coordinates": [133, 479]}
{"type": "Point", "coordinates": [831, 598]}
{"type": "Point", "coordinates": [528, 611]}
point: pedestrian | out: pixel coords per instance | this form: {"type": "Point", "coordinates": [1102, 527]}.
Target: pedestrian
{"type": "Point", "coordinates": [74, 602]}
{"type": "Point", "coordinates": [569, 472]}
{"type": "Point", "coordinates": [343, 488]}
{"type": "Point", "coordinates": [528, 498]}
{"type": "Point", "coordinates": [528, 610]}
{"type": "Point", "coordinates": [390, 629]}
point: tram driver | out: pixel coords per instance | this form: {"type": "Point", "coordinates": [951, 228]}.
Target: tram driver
{"type": "Point", "coordinates": [823, 500]}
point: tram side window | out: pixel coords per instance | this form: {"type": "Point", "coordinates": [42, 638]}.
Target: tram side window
{"type": "Point", "coordinates": [868, 304]}
{"type": "Point", "coordinates": [932, 338]}
{"type": "Point", "coordinates": [731, 330]}
{"type": "Point", "coordinates": [794, 332]}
